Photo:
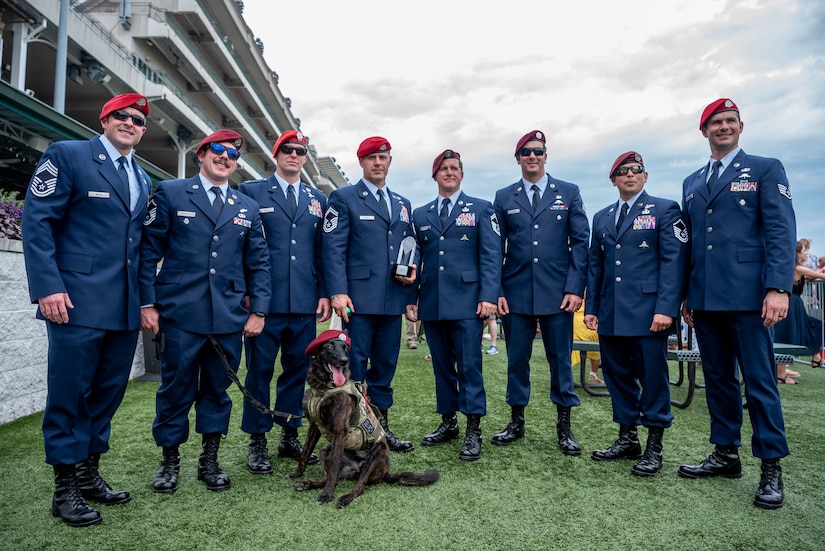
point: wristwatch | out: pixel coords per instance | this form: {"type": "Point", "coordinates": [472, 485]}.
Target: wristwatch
{"type": "Point", "coordinates": [260, 314]}
{"type": "Point", "coordinates": [783, 291]}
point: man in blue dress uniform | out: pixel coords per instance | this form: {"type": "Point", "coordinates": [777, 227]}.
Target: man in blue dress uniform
{"type": "Point", "coordinates": [292, 214]}
{"type": "Point", "coordinates": [635, 287]}
{"type": "Point", "coordinates": [81, 226]}
{"type": "Point", "coordinates": [743, 229]}
{"type": "Point", "coordinates": [363, 229]}
{"type": "Point", "coordinates": [460, 245]}
{"type": "Point", "coordinates": [215, 259]}
{"type": "Point", "coordinates": [545, 233]}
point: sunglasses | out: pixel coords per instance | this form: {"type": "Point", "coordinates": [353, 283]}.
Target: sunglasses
{"type": "Point", "coordinates": [450, 154]}
{"type": "Point", "coordinates": [288, 150]}
{"type": "Point", "coordinates": [218, 149]}
{"type": "Point", "coordinates": [137, 120]}
{"type": "Point", "coordinates": [635, 169]}
{"type": "Point", "coordinates": [537, 151]}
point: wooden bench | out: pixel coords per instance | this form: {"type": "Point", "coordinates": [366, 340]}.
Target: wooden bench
{"type": "Point", "coordinates": [687, 360]}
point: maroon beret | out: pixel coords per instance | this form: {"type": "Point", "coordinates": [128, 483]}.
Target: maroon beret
{"type": "Point", "coordinates": [137, 101]}
{"type": "Point", "coordinates": [625, 158]}
{"type": "Point", "coordinates": [530, 136]}
{"type": "Point", "coordinates": [371, 145]}
{"type": "Point", "coordinates": [446, 154]}
{"type": "Point", "coordinates": [316, 345]}
{"type": "Point", "coordinates": [221, 136]}
{"type": "Point", "coordinates": [723, 104]}
{"type": "Point", "coordinates": [290, 136]}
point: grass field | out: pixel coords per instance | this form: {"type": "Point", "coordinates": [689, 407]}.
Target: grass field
{"type": "Point", "coordinates": [525, 496]}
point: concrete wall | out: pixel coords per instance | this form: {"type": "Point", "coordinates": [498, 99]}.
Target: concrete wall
{"type": "Point", "coordinates": [23, 342]}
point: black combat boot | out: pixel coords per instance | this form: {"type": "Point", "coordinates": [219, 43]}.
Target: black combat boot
{"type": "Point", "coordinates": [567, 441]}
{"type": "Point", "coordinates": [446, 431]}
{"type": "Point", "coordinates": [627, 446]}
{"type": "Point", "coordinates": [208, 469]}
{"type": "Point", "coordinates": [68, 502]}
{"type": "Point", "coordinates": [257, 459]}
{"type": "Point", "coordinates": [395, 444]}
{"type": "Point", "coordinates": [771, 492]}
{"type": "Point", "coordinates": [166, 477]}
{"type": "Point", "coordinates": [724, 461]}
{"type": "Point", "coordinates": [92, 485]}
{"type": "Point", "coordinates": [291, 448]}
{"type": "Point", "coordinates": [651, 461]}
{"type": "Point", "coordinates": [514, 429]}
{"type": "Point", "coordinates": [471, 450]}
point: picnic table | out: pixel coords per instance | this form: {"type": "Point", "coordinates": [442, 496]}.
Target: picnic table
{"type": "Point", "coordinates": [687, 360]}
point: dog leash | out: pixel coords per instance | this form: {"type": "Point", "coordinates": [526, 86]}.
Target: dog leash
{"type": "Point", "coordinates": [251, 399]}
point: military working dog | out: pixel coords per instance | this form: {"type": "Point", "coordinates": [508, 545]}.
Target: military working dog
{"type": "Point", "coordinates": [337, 409]}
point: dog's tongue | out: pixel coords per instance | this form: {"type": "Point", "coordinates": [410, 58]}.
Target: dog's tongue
{"type": "Point", "coordinates": [338, 378]}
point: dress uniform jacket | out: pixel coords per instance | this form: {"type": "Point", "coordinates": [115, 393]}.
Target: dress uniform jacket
{"type": "Point", "coordinates": [209, 266]}
{"type": "Point", "coordinates": [460, 263]}
{"type": "Point", "coordinates": [80, 237]}
{"type": "Point", "coordinates": [294, 245]}
{"type": "Point", "coordinates": [545, 254]}
{"type": "Point", "coordinates": [639, 270]}
{"type": "Point", "coordinates": [360, 249]}
{"type": "Point", "coordinates": [743, 234]}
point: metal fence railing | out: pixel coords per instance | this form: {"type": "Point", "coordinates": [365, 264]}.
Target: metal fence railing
{"type": "Point", "coordinates": [813, 297]}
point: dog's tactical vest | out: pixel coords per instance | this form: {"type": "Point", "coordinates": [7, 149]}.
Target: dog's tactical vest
{"type": "Point", "coordinates": [364, 429]}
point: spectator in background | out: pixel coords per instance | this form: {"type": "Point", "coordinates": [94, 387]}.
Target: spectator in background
{"type": "Point", "coordinates": [821, 265]}
{"type": "Point", "coordinates": [582, 333]}
{"type": "Point", "coordinates": [810, 258]}
{"type": "Point", "coordinates": [492, 330]}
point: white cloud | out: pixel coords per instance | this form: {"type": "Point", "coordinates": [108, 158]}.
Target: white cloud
{"type": "Point", "coordinates": [599, 78]}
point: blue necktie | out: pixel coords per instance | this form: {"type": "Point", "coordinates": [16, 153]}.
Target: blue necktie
{"type": "Point", "coordinates": [536, 197]}
{"type": "Point", "coordinates": [445, 212]}
{"type": "Point", "coordinates": [290, 198]}
{"type": "Point", "coordinates": [714, 175]}
{"type": "Point", "coordinates": [622, 216]}
{"type": "Point", "coordinates": [217, 202]}
{"type": "Point", "coordinates": [124, 176]}
{"type": "Point", "coordinates": [383, 204]}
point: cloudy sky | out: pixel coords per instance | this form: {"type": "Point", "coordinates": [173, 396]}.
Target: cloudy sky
{"type": "Point", "coordinates": [599, 78]}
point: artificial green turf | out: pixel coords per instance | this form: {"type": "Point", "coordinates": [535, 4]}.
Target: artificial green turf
{"type": "Point", "coordinates": [524, 496]}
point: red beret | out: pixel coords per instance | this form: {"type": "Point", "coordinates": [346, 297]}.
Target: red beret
{"type": "Point", "coordinates": [371, 145]}
{"type": "Point", "coordinates": [625, 158]}
{"type": "Point", "coordinates": [446, 154]}
{"type": "Point", "coordinates": [723, 104]}
{"type": "Point", "coordinates": [137, 101]}
{"type": "Point", "coordinates": [316, 345]}
{"type": "Point", "coordinates": [530, 136]}
{"type": "Point", "coordinates": [222, 136]}
{"type": "Point", "coordinates": [290, 136]}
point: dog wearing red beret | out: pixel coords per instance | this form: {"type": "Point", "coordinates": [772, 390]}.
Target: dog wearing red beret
{"type": "Point", "coordinates": [338, 409]}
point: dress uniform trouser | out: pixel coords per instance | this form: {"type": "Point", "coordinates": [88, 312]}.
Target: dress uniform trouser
{"type": "Point", "coordinates": [557, 336]}
{"type": "Point", "coordinates": [725, 338]}
{"type": "Point", "coordinates": [631, 362]}
{"type": "Point", "coordinates": [191, 372]}
{"type": "Point", "coordinates": [456, 355]}
{"type": "Point", "coordinates": [288, 334]}
{"type": "Point", "coordinates": [87, 375]}
{"type": "Point", "coordinates": [375, 338]}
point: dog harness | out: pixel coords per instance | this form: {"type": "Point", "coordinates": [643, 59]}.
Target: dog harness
{"type": "Point", "coordinates": [364, 428]}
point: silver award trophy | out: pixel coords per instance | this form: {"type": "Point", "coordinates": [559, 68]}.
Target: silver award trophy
{"type": "Point", "coordinates": [405, 257]}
